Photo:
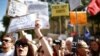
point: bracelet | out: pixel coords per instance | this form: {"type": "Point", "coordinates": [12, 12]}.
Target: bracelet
{"type": "Point", "coordinates": [40, 37]}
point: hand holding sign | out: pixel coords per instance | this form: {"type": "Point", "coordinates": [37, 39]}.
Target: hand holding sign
{"type": "Point", "coordinates": [26, 22]}
{"type": "Point", "coordinates": [37, 29]}
{"type": "Point", "coordinates": [37, 24]}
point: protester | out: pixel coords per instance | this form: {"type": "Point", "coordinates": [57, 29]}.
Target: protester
{"type": "Point", "coordinates": [82, 49]}
{"type": "Point", "coordinates": [50, 41]}
{"type": "Point", "coordinates": [68, 49]}
{"type": "Point", "coordinates": [94, 48]}
{"type": "Point", "coordinates": [62, 48]}
{"type": "Point", "coordinates": [23, 47]}
{"type": "Point", "coordinates": [44, 43]}
{"type": "Point", "coordinates": [7, 45]}
{"type": "Point", "coordinates": [56, 47]}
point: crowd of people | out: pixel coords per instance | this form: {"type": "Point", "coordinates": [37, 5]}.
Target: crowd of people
{"type": "Point", "coordinates": [47, 46]}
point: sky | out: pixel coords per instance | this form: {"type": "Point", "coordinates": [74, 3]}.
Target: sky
{"type": "Point", "coordinates": [3, 6]}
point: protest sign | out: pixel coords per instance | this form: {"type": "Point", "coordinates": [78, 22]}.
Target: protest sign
{"type": "Point", "coordinates": [41, 8]}
{"type": "Point", "coordinates": [23, 22]}
{"type": "Point", "coordinates": [25, 1]}
{"type": "Point", "coordinates": [38, 7]}
{"type": "Point", "coordinates": [74, 4]}
{"type": "Point", "coordinates": [60, 9]}
{"type": "Point", "coordinates": [26, 22]}
{"type": "Point", "coordinates": [81, 17]}
{"type": "Point", "coordinates": [16, 8]}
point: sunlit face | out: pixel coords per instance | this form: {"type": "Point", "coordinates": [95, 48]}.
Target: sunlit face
{"type": "Point", "coordinates": [83, 51]}
{"type": "Point", "coordinates": [22, 50]}
{"type": "Point", "coordinates": [63, 44]}
{"type": "Point", "coordinates": [50, 41]}
{"type": "Point", "coordinates": [69, 45]}
{"type": "Point", "coordinates": [7, 42]}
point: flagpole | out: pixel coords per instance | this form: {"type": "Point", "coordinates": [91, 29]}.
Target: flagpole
{"type": "Point", "coordinates": [60, 29]}
{"type": "Point", "coordinates": [76, 21]}
{"type": "Point", "coordinates": [77, 25]}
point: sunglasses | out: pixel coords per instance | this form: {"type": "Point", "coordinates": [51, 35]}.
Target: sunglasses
{"type": "Point", "coordinates": [22, 44]}
{"type": "Point", "coordinates": [5, 40]}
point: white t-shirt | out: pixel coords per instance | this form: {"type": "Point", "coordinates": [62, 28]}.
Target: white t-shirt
{"type": "Point", "coordinates": [9, 53]}
{"type": "Point", "coordinates": [62, 37]}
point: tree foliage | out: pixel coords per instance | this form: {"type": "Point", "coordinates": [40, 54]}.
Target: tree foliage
{"type": "Point", "coordinates": [6, 21]}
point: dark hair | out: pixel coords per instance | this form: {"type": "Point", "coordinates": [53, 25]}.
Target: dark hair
{"type": "Point", "coordinates": [57, 42]}
{"type": "Point", "coordinates": [96, 42]}
{"type": "Point", "coordinates": [92, 51]}
{"type": "Point", "coordinates": [28, 43]}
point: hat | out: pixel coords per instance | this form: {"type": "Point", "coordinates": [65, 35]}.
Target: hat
{"type": "Point", "coordinates": [82, 44]}
{"type": "Point", "coordinates": [69, 39]}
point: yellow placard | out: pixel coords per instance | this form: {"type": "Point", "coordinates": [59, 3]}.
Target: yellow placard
{"type": "Point", "coordinates": [60, 10]}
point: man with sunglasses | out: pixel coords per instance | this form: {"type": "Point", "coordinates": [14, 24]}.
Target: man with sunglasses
{"type": "Point", "coordinates": [7, 45]}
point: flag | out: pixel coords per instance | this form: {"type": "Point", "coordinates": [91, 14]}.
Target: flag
{"type": "Point", "coordinates": [87, 35]}
{"type": "Point", "coordinates": [98, 3]}
{"type": "Point", "coordinates": [94, 7]}
{"type": "Point", "coordinates": [80, 19]}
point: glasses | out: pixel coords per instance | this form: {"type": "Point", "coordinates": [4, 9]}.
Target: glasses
{"type": "Point", "coordinates": [5, 40]}
{"type": "Point", "coordinates": [22, 45]}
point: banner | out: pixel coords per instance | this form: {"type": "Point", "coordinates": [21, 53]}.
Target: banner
{"type": "Point", "coordinates": [80, 19]}
{"type": "Point", "coordinates": [16, 8]}
{"type": "Point", "coordinates": [26, 22]}
{"type": "Point", "coordinates": [74, 4]}
{"type": "Point", "coordinates": [60, 9]}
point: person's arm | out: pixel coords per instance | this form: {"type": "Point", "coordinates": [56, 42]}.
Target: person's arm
{"type": "Point", "coordinates": [45, 45]}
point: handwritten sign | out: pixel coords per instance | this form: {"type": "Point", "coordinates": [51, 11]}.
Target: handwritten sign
{"type": "Point", "coordinates": [16, 9]}
{"type": "Point", "coordinates": [60, 9]}
{"type": "Point", "coordinates": [26, 22]}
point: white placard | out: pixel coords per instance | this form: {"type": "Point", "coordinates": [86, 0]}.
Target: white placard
{"type": "Point", "coordinates": [41, 8]}
{"type": "Point", "coordinates": [38, 7]}
{"type": "Point", "coordinates": [22, 23]}
{"type": "Point", "coordinates": [44, 21]}
{"type": "Point", "coordinates": [25, 1]}
{"type": "Point", "coordinates": [74, 4]}
{"type": "Point", "coordinates": [17, 9]}
{"type": "Point", "coordinates": [26, 23]}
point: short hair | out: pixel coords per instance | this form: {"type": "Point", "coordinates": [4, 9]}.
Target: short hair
{"type": "Point", "coordinates": [29, 44]}
{"type": "Point", "coordinates": [9, 36]}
